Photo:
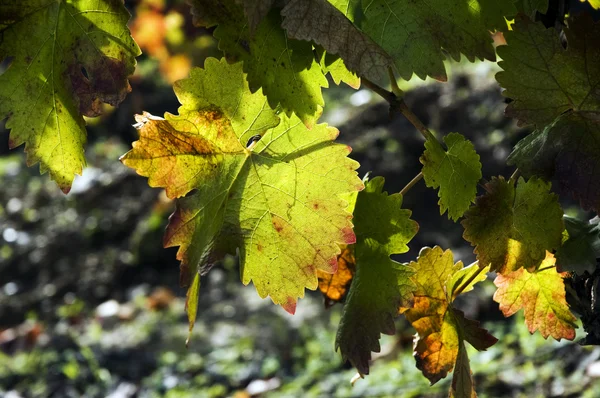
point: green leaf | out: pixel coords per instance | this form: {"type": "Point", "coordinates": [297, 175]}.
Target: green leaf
{"type": "Point", "coordinates": [455, 172]}
{"type": "Point", "coordinates": [191, 304]}
{"type": "Point", "coordinates": [542, 296]}
{"type": "Point", "coordinates": [274, 201]}
{"type": "Point", "coordinates": [579, 253]}
{"type": "Point", "coordinates": [569, 150]}
{"type": "Point", "coordinates": [513, 227]}
{"type": "Point", "coordinates": [352, 9]}
{"type": "Point", "coordinates": [324, 24]}
{"type": "Point", "coordinates": [414, 33]}
{"type": "Point", "coordinates": [68, 57]}
{"type": "Point", "coordinates": [462, 380]}
{"type": "Point", "coordinates": [337, 69]}
{"type": "Point", "coordinates": [284, 68]}
{"type": "Point", "coordinates": [442, 329]}
{"type": "Point", "coordinates": [380, 286]}
{"type": "Point", "coordinates": [545, 80]}
{"type": "Point", "coordinates": [530, 7]}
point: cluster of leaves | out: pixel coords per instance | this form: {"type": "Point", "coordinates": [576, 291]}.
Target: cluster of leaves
{"type": "Point", "coordinates": [254, 173]}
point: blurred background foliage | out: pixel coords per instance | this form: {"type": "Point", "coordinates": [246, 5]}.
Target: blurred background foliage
{"type": "Point", "coordinates": [90, 303]}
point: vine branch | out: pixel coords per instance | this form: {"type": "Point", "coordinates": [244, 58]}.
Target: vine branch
{"type": "Point", "coordinates": [397, 104]}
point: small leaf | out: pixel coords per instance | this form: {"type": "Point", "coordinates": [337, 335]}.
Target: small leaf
{"type": "Point", "coordinates": [380, 285]}
{"type": "Point", "coordinates": [581, 251]}
{"type": "Point", "coordinates": [191, 304]}
{"type": "Point", "coordinates": [542, 296]}
{"type": "Point", "coordinates": [275, 201]}
{"type": "Point", "coordinates": [284, 68]}
{"type": "Point", "coordinates": [335, 286]}
{"type": "Point", "coordinates": [414, 33]}
{"type": "Point", "coordinates": [512, 228]}
{"type": "Point", "coordinates": [68, 58]}
{"type": "Point", "coordinates": [455, 172]}
{"type": "Point", "coordinates": [321, 22]}
{"type": "Point", "coordinates": [337, 69]}
{"type": "Point", "coordinates": [462, 381]}
{"type": "Point", "coordinates": [545, 80]}
{"type": "Point", "coordinates": [441, 329]}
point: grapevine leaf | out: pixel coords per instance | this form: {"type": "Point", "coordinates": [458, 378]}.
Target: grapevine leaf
{"type": "Point", "coordinates": [579, 253]}
{"type": "Point", "coordinates": [352, 9]}
{"type": "Point", "coordinates": [455, 172]}
{"type": "Point", "coordinates": [380, 285]}
{"type": "Point", "coordinates": [442, 329]}
{"type": "Point", "coordinates": [337, 69]}
{"type": "Point", "coordinates": [530, 7]}
{"type": "Point", "coordinates": [462, 380]}
{"type": "Point", "coordinates": [595, 4]}
{"type": "Point", "coordinates": [335, 286]}
{"type": "Point", "coordinates": [275, 200]}
{"type": "Point", "coordinates": [67, 59]}
{"type": "Point", "coordinates": [256, 11]}
{"type": "Point", "coordinates": [191, 303]}
{"type": "Point", "coordinates": [324, 24]}
{"type": "Point", "coordinates": [414, 33]}
{"type": "Point", "coordinates": [471, 273]}
{"type": "Point", "coordinates": [545, 80]}
{"type": "Point", "coordinates": [568, 149]}
{"type": "Point", "coordinates": [541, 294]}
{"type": "Point", "coordinates": [513, 227]}
{"type": "Point", "coordinates": [284, 68]}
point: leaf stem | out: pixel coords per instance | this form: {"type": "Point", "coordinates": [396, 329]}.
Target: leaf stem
{"type": "Point", "coordinates": [462, 287]}
{"type": "Point", "coordinates": [411, 183]}
{"type": "Point", "coordinates": [514, 176]}
{"type": "Point", "coordinates": [382, 92]}
{"type": "Point", "coordinates": [395, 88]}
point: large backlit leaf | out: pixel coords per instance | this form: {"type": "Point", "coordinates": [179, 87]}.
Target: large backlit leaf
{"type": "Point", "coordinates": [543, 78]}
{"type": "Point", "coordinates": [513, 227]}
{"type": "Point", "coordinates": [455, 172]}
{"type": "Point", "coordinates": [324, 24]}
{"type": "Point", "coordinates": [284, 68]}
{"type": "Point", "coordinates": [442, 329]}
{"type": "Point", "coordinates": [380, 286]}
{"type": "Point", "coordinates": [542, 296]}
{"type": "Point", "coordinates": [274, 201]}
{"type": "Point", "coordinates": [415, 32]}
{"type": "Point", "coordinates": [68, 58]}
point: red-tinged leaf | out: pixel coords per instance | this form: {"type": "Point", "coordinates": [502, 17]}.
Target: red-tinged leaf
{"type": "Point", "coordinates": [541, 294]}
{"type": "Point", "coordinates": [441, 329]}
{"type": "Point", "coordinates": [335, 286]}
{"type": "Point", "coordinates": [263, 185]}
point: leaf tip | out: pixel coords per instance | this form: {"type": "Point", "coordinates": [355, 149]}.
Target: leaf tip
{"type": "Point", "coordinates": [290, 305]}
{"type": "Point", "coordinates": [349, 236]}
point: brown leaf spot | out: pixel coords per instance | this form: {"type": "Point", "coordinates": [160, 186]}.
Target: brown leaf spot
{"type": "Point", "coordinates": [106, 81]}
